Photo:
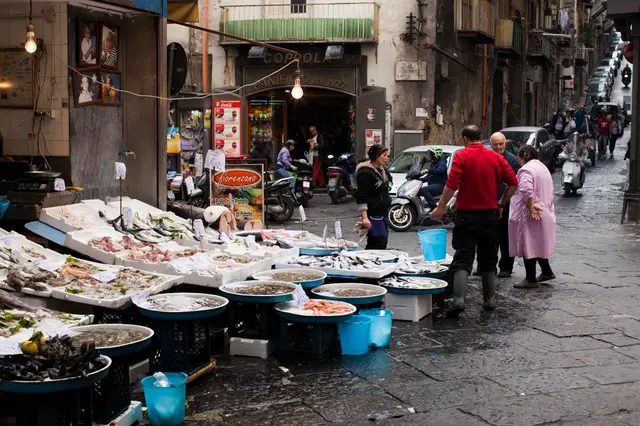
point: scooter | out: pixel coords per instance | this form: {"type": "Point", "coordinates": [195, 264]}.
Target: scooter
{"type": "Point", "coordinates": [303, 188]}
{"type": "Point", "coordinates": [626, 76]}
{"type": "Point", "coordinates": [200, 195]}
{"type": "Point", "coordinates": [572, 175]}
{"type": "Point", "coordinates": [409, 208]}
{"type": "Point", "coordinates": [279, 201]}
{"type": "Point", "coordinates": [342, 178]}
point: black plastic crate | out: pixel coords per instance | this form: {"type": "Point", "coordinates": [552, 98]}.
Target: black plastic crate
{"type": "Point", "coordinates": [130, 315]}
{"type": "Point", "coordinates": [253, 320]}
{"type": "Point", "coordinates": [71, 408]}
{"type": "Point", "coordinates": [182, 346]}
{"type": "Point", "coordinates": [315, 341]}
{"type": "Point", "coordinates": [112, 395]}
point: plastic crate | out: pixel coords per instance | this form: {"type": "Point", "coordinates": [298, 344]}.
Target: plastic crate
{"type": "Point", "coordinates": [112, 395]}
{"type": "Point", "coordinates": [180, 346]}
{"type": "Point", "coordinates": [315, 341]}
{"type": "Point", "coordinates": [130, 315]}
{"type": "Point", "coordinates": [51, 409]}
{"type": "Point", "coordinates": [253, 320]}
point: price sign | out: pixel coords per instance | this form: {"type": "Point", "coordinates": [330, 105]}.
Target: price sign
{"type": "Point", "coordinates": [51, 265]}
{"type": "Point", "coordinates": [303, 216]}
{"type": "Point", "coordinates": [201, 260]}
{"type": "Point", "coordinates": [189, 184]}
{"type": "Point", "coordinates": [139, 299]}
{"type": "Point", "coordinates": [215, 160]}
{"type": "Point", "coordinates": [324, 234]}
{"type": "Point", "coordinates": [338, 230]}
{"type": "Point", "coordinates": [184, 265]}
{"type": "Point", "coordinates": [104, 277]}
{"type": "Point", "coordinates": [121, 170]}
{"type": "Point", "coordinates": [127, 216]}
{"type": "Point", "coordinates": [58, 185]}
{"type": "Point", "coordinates": [199, 163]}
{"type": "Point", "coordinates": [8, 347]}
{"type": "Point", "coordinates": [300, 296]}
{"type": "Point", "coordinates": [198, 228]}
{"type": "Point", "coordinates": [60, 332]}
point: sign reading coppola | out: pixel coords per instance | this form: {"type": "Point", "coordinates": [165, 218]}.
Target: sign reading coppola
{"type": "Point", "coordinates": [337, 78]}
{"type": "Point", "coordinates": [240, 188]}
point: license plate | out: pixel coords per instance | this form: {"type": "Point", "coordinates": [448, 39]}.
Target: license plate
{"type": "Point", "coordinates": [333, 182]}
{"type": "Point", "coordinates": [306, 184]}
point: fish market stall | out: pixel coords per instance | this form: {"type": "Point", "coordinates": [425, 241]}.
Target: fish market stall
{"type": "Point", "coordinates": [308, 243]}
{"type": "Point", "coordinates": [418, 267]}
{"type": "Point", "coordinates": [343, 264]}
{"type": "Point", "coordinates": [410, 297]}
{"type": "Point", "coordinates": [354, 293]}
{"type": "Point", "coordinates": [307, 278]}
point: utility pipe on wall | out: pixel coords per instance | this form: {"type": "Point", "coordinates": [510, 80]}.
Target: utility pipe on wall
{"type": "Point", "coordinates": [205, 47]}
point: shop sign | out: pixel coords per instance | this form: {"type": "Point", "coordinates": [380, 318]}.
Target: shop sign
{"type": "Point", "coordinates": [342, 79]}
{"type": "Point", "coordinates": [227, 123]}
{"type": "Point", "coordinates": [308, 58]}
{"type": "Point", "coordinates": [240, 188]}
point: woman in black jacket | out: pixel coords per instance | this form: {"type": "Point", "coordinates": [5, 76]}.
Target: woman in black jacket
{"type": "Point", "coordinates": [373, 196]}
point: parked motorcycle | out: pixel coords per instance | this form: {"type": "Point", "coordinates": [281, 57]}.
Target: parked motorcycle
{"type": "Point", "coordinates": [303, 188]}
{"type": "Point", "coordinates": [279, 200]}
{"type": "Point", "coordinates": [200, 195]}
{"type": "Point", "coordinates": [572, 175]}
{"type": "Point", "coordinates": [342, 178]}
{"type": "Point", "coordinates": [409, 208]}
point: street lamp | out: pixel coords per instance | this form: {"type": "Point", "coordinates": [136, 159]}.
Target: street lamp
{"type": "Point", "coordinates": [297, 91]}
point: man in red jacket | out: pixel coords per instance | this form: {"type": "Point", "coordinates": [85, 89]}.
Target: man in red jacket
{"type": "Point", "coordinates": [476, 173]}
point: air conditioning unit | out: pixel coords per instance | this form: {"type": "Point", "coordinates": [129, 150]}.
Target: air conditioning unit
{"type": "Point", "coordinates": [528, 86]}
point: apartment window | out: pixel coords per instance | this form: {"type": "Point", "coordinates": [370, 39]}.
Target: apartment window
{"type": "Point", "coordinates": [298, 6]}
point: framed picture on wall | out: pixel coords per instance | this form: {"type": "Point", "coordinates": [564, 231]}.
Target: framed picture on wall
{"type": "Point", "coordinates": [88, 43]}
{"type": "Point", "coordinates": [111, 86]}
{"type": "Point", "coordinates": [86, 87]}
{"type": "Point", "coordinates": [109, 45]}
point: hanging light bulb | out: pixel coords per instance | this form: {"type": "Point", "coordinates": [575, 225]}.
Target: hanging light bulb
{"type": "Point", "coordinates": [297, 91]}
{"type": "Point", "coordinates": [30, 46]}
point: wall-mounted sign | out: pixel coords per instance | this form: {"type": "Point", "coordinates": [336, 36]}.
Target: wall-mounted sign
{"type": "Point", "coordinates": [240, 188]}
{"type": "Point", "coordinates": [373, 136]}
{"type": "Point", "coordinates": [342, 79]}
{"type": "Point", "coordinates": [227, 124]}
{"type": "Point", "coordinates": [371, 114]}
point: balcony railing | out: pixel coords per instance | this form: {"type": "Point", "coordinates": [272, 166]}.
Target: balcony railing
{"type": "Point", "coordinates": [508, 36]}
{"type": "Point", "coordinates": [476, 19]}
{"type": "Point", "coordinates": [539, 46]}
{"type": "Point", "coordinates": [582, 55]}
{"type": "Point", "coordinates": [317, 22]}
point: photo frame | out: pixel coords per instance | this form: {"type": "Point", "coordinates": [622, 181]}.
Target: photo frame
{"type": "Point", "coordinates": [88, 43]}
{"type": "Point", "coordinates": [109, 46]}
{"type": "Point", "coordinates": [86, 87]}
{"type": "Point", "coordinates": [110, 81]}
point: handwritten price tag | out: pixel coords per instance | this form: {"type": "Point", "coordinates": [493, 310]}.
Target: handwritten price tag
{"type": "Point", "coordinates": [58, 185]}
{"type": "Point", "coordinates": [140, 299]}
{"type": "Point", "coordinates": [127, 216]}
{"type": "Point", "coordinates": [104, 277]}
{"type": "Point", "coordinates": [189, 184]}
{"type": "Point", "coordinates": [60, 332]}
{"type": "Point", "coordinates": [184, 265]}
{"type": "Point", "coordinates": [215, 160]}
{"type": "Point", "coordinates": [121, 171]}
{"type": "Point", "coordinates": [198, 228]}
{"type": "Point", "coordinates": [338, 230]}
{"type": "Point", "coordinates": [51, 265]}
{"type": "Point", "coordinates": [303, 216]}
{"type": "Point", "coordinates": [300, 296]}
{"type": "Point", "coordinates": [201, 260]}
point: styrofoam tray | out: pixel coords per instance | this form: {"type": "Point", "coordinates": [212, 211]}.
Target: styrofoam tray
{"type": "Point", "coordinates": [135, 204]}
{"type": "Point", "coordinates": [388, 269]}
{"type": "Point", "coordinates": [48, 324]}
{"type": "Point", "coordinates": [79, 241]}
{"type": "Point", "coordinates": [17, 241]}
{"type": "Point", "coordinates": [88, 212]}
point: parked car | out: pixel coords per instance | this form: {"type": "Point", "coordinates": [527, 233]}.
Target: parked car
{"type": "Point", "coordinates": [537, 137]}
{"type": "Point", "coordinates": [611, 63]}
{"type": "Point", "coordinates": [605, 75]}
{"type": "Point", "coordinates": [606, 70]}
{"type": "Point", "coordinates": [599, 79]}
{"type": "Point", "coordinates": [400, 165]}
{"type": "Point", "coordinates": [598, 91]}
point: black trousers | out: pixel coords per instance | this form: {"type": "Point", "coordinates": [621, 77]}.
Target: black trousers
{"type": "Point", "coordinates": [475, 229]}
{"type": "Point", "coordinates": [530, 268]}
{"type": "Point", "coordinates": [506, 261]}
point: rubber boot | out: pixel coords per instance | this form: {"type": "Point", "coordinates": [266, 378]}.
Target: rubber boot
{"type": "Point", "coordinates": [489, 291]}
{"type": "Point", "coordinates": [460, 279]}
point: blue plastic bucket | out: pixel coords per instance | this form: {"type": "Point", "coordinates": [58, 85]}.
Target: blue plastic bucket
{"type": "Point", "coordinates": [355, 335]}
{"type": "Point", "coordinates": [433, 243]}
{"type": "Point", "coordinates": [165, 406]}
{"type": "Point", "coordinates": [380, 333]}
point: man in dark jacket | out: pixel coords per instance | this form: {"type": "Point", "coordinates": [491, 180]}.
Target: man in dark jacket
{"type": "Point", "coordinates": [373, 196]}
{"type": "Point", "coordinates": [435, 179]}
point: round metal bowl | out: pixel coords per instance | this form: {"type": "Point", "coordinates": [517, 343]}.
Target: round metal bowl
{"type": "Point", "coordinates": [431, 286]}
{"type": "Point", "coordinates": [290, 312]}
{"type": "Point", "coordinates": [439, 272]}
{"type": "Point", "coordinates": [123, 349]}
{"type": "Point", "coordinates": [324, 292]}
{"type": "Point", "coordinates": [152, 312]}
{"type": "Point", "coordinates": [60, 385]}
{"type": "Point", "coordinates": [230, 291]}
{"type": "Point", "coordinates": [386, 256]}
{"type": "Point", "coordinates": [268, 276]}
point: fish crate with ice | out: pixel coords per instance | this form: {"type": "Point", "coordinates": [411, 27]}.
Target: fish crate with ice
{"type": "Point", "coordinates": [253, 320]}
{"type": "Point", "coordinates": [317, 341]}
{"type": "Point", "coordinates": [180, 346]}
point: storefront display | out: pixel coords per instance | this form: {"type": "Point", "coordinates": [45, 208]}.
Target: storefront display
{"type": "Point", "coordinates": [267, 120]}
{"type": "Point", "coordinates": [240, 188]}
{"type": "Point", "coordinates": [228, 126]}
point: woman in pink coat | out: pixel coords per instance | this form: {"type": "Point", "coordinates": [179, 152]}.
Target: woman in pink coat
{"type": "Point", "coordinates": [532, 219]}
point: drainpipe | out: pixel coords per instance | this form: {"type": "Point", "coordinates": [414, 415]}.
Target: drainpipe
{"type": "Point", "coordinates": [205, 47]}
{"type": "Point", "coordinates": [484, 85]}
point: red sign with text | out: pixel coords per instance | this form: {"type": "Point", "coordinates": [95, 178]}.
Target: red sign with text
{"type": "Point", "coordinates": [227, 126]}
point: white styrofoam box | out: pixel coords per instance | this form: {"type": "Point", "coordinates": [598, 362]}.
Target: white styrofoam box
{"type": "Point", "coordinates": [130, 417]}
{"type": "Point", "coordinates": [408, 307]}
{"type": "Point", "coordinates": [136, 205]}
{"type": "Point", "coordinates": [79, 241]}
{"type": "Point", "coordinates": [252, 347]}
{"type": "Point", "coordinates": [17, 241]}
{"type": "Point", "coordinates": [89, 214]}
{"type": "Point", "coordinates": [96, 204]}
{"type": "Point", "coordinates": [138, 371]}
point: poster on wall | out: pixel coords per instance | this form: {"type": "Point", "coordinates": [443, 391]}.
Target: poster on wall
{"type": "Point", "coordinates": [110, 46]}
{"type": "Point", "coordinates": [86, 87]}
{"type": "Point", "coordinates": [227, 124]}
{"type": "Point", "coordinates": [89, 46]}
{"type": "Point", "coordinates": [373, 136]}
{"type": "Point", "coordinates": [240, 188]}
{"type": "Point", "coordinates": [111, 86]}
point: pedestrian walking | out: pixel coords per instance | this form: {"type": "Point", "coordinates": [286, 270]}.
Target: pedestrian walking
{"type": "Point", "coordinates": [616, 131]}
{"type": "Point", "coordinates": [476, 173]}
{"type": "Point", "coordinates": [372, 197]}
{"type": "Point", "coordinates": [317, 147]}
{"type": "Point", "coordinates": [570, 125]}
{"type": "Point", "coordinates": [604, 132]}
{"type": "Point", "coordinates": [558, 123]}
{"type": "Point", "coordinates": [532, 220]}
{"type": "Point", "coordinates": [505, 264]}
{"type": "Point", "coordinates": [579, 117]}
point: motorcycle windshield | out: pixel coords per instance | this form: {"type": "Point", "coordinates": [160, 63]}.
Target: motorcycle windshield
{"type": "Point", "coordinates": [415, 169]}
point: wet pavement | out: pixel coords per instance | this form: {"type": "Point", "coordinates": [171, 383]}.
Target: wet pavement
{"type": "Point", "coordinates": [567, 353]}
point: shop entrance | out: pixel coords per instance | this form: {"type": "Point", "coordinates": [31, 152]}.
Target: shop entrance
{"type": "Point", "coordinates": [275, 116]}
